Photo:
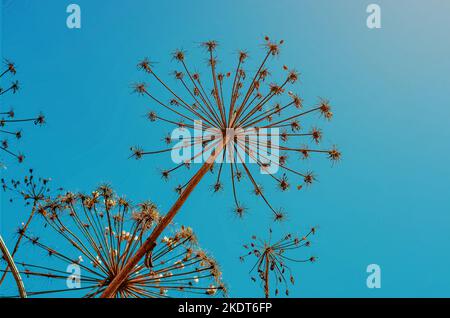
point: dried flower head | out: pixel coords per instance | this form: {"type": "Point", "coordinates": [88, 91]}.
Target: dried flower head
{"type": "Point", "coordinates": [231, 121]}
{"type": "Point", "coordinates": [238, 111]}
{"type": "Point", "coordinates": [101, 231]}
{"type": "Point", "coordinates": [271, 265]}
{"type": "Point", "coordinates": [35, 192]}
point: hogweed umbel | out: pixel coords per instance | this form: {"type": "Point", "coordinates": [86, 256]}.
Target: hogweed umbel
{"type": "Point", "coordinates": [245, 114]}
{"type": "Point", "coordinates": [100, 232]}
{"type": "Point", "coordinates": [272, 259]}
{"type": "Point", "coordinates": [244, 108]}
{"type": "Point", "coordinates": [33, 191]}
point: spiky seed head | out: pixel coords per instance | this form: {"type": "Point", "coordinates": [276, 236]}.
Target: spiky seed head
{"type": "Point", "coordinates": [276, 89]}
{"type": "Point", "coordinates": [325, 109]}
{"type": "Point", "coordinates": [283, 184]}
{"type": "Point", "coordinates": [305, 152]}
{"type": "Point", "coordinates": [140, 88]}
{"type": "Point", "coordinates": [298, 102]}
{"type": "Point", "coordinates": [295, 125]}
{"type": "Point", "coordinates": [137, 152]}
{"type": "Point", "coordinates": [309, 178]}
{"type": "Point", "coordinates": [178, 75]}
{"type": "Point", "coordinates": [239, 210]}
{"type": "Point", "coordinates": [152, 116]}
{"type": "Point", "coordinates": [316, 135]}
{"type": "Point", "coordinates": [178, 55]}
{"type": "Point", "coordinates": [334, 154]}
{"type": "Point", "coordinates": [210, 46]}
{"type": "Point", "coordinates": [217, 186]}
{"type": "Point", "coordinates": [243, 55]}
{"type": "Point", "coordinates": [145, 65]}
{"type": "Point", "coordinates": [264, 73]}
{"type": "Point", "coordinates": [40, 120]}
{"type": "Point", "coordinates": [165, 174]}
{"type": "Point", "coordinates": [284, 136]}
{"type": "Point", "coordinates": [273, 48]}
{"type": "Point", "coordinates": [279, 216]}
{"type": "Point", "coordinates": [179, 189]}
{"type": "Point", "coordinates": [11, 67]}
{"type": "Point", "coordinates": [15, 86]}
{"type": "Point", "coordinates": [293, 76]}
{"type": "Point", "coordinates": [258, 190]}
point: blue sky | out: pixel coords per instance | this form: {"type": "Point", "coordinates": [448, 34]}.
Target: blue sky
{"type": "Point", "coordinates": [386, 202]}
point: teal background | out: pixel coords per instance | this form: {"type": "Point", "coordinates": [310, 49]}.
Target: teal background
{"type": "Point", "coordinates": [386, 202]}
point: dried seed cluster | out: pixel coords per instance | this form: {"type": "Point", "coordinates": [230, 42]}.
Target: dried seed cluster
{"type": "Point", "coordinates": [248, 105]}
{"type": "Point", "coordinates": [101, 231]}
{"type": "Point", "coordinates": [8, 120]}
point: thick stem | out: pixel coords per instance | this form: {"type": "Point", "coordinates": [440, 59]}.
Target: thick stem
{"type": "Point", "coordinates": [150, 242]}
{"type": "Point", "coordinates": [266, 277]}
{"type": "Point", "coordinates": [13, 267]}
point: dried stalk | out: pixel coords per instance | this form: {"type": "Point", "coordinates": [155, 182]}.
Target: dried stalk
{"type": "Point", "coordinates": [14, 270]}
{"type": "Point", "coordinates": [150, 243]}
{"type": "Point", "coordinates": [33, 190]}
{"type": "Point", "coordinates": [266, 277]}
{"type": "Point", "coordinates": [16, 247]}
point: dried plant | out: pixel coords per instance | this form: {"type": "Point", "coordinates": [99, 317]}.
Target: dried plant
{"type": "Point", "coordinates": [237, 111]}
{"type": "Point", "coordinates": [8, 119]}
{"type": "Point", "coordinates": [34, 192]}
{"type": "Point", "coordinates": [101, 231]}
{"type": "Point", "coordinates": [9, 260]}
{"type": "Point", "coordinates": [272, 259]}
{"type": "Point", "coordinates": [8, 116]}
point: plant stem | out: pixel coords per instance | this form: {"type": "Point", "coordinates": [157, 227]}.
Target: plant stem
{"type": "Point", "coordinates": [16, 247]}
{"type": "Point", "coordinates": [266, 277]}
{"type": "Point", "coordinates": [14, 269]}
{"type": "Point", "coordinates": [150, 242]}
